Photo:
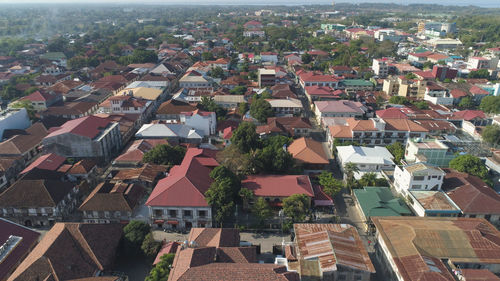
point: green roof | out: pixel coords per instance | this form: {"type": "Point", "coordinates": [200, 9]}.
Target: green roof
{"type": "Point", "coordinates": [357, 82]}
{"type": "Point", "coordinates": [379, 202]}
{"type": "Point", "coordinates": [53, 56]}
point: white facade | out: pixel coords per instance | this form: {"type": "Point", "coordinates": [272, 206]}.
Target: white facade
{"type": "Point", "coordinates": [438, 97]}
{"type": "Point", "coordinates": [13, 119]}
{"type": "Point", "coordinates": [368, 159]}
{"type": "Point", "coordinates": [418, 176]}
{"type": "Point", "coordinates": [205, 122]}
{"type": "Point", "coordinates": [380, 68]}
{"type": "Point", "coordinates": [181, 217]}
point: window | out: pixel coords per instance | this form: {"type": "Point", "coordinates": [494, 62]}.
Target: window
{"type": "Point", "coordinates": [202, 214]}
{"type": "Point", "coordinates": [416, 186]}
{"type": "Point", "coordinates": [172, 213]}
{"type": "Point", "coordinates": [187, 213]}
{"type": "Point", "coordinates": [472, 216]}
{"type": "Point", "coordinates": [418, 178]}
{"type": "Point", "coordinates": [158, 213]}
{"type": "Point", "coordinates": [106, 214]}
{"type": "Point", "coordinates": [487, 217]}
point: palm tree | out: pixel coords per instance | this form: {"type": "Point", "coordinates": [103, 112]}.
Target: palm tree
{"type": "Point", "coordinates": [369, 179]}
{"type": "Point", "coordinates": [349, 170]}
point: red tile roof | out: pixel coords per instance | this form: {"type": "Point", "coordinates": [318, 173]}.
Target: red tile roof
{"type": "Point", "coordinates": [88, 126]}
{"type": "Point", "coordinates": [392, 112]}
{"type": "Point", "coordinates": [308, 151]}
{"type": "Point", "coordinates": [278, 185]}
{"type": "Point", "coordinates": [469, 115]}
{"type": "Point", "coordinates": [40, 96]}
{"type": "Point", "coordinates": [166, 248]}
{"type": "Point", "coordinates": [185, 185]}
{"type": "Point", "coordinates": [49, 161]}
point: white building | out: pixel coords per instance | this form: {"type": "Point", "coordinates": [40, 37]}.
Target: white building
{"type": "Point", "coordinates": [438, 95]}
{"type": "Point", "coordinates": [193, 79]}
{"type": "Point", "coordinates": [289, 106]}
{"type": "Point", "coordinates": [368, 159]}
{"type": "Point", "coordinates": [203, 121]}
{"type": "Point", "coordinates": [13, 119]}
{"type": "Point", "coordinates": [418, 176]}
{"type": "Point", "coordinates": [380, 67]}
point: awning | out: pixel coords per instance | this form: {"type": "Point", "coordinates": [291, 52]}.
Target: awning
{"type": "Point", "coordinates": [275, 204]}
{"type": "Point", "coordinates": [172, 222]}
{"type": "Point", "coordinates": [323, 203]}
{"type": "Point", "coordinates": [159, 221]}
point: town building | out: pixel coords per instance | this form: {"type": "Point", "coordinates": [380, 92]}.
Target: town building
{"type": "Point", "coordinates": [84, 137]}
{"type": "Point", "coordinates": [431, 151]}
{"type": "Point", "coordinates": [172, 109]}
{"type": "Point", "coordinates": [202, 121]}
{"type": "Point", "coordinates": [430, 203]}
{"type": "Point", "coordinates": [380, 67]}
{"type": "Point", "coordinates": [286, 107]}
{"type": "Point", "coordinates": [309, 154]}
{"type": "Point", "coordinates": [340, 108]}
{"type": "Point", "coordinates": [178, 200]}
{"type": "Point", "coordinates": [173, 133]}
{"type": "Point", "coordinates": [42, 100]}
{"type": "Point", "coordinates": [418, 176]}
{"type": "Point", "coordinates": [23, 143]}
{"type": "Point", "coordinates": [287, 126]}
{"type": "Point", "coordinates": [437, 249]}
{"type": "Point", "coordinates": [367, 159]}
{"type": "Point", "coordinates": [13, 119]}
{"type": "Point", "coordinates": [266, 77]}
{"type": "Point", "coordinates": [112, 202]}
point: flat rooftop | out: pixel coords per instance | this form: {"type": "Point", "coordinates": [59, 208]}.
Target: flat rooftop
{"type": "Point", "coordinates": [434, 200]}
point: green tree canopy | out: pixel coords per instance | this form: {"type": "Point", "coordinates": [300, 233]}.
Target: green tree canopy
{"type": "Point", "coordinates": [161, 270]}
{"type": "Point", "coordinates": [134, 233]}
{"type": "Point", "coordinates": [490, 104]}
{"type": "Point", "coordinates": [397, 150]}
{"type": "Point", "coordinates": [238, 90]}
{"type": "Point", "coordinates": [368, 179]}
{"type": "Point", "coordinates": [261, 210]}
{"type": "Point", "coordinates": [274, 157]}
{"type": "Point", "coordinates": [222, 193]}
{"type": "Point", "coordinates": [28, 106]}
{"type": "Point", "coordinates": [481, 73]}
{"type": "Point", "coordinates": [245, 137]}
{"type": "Point", "coordinates": [470, 164]}
{"type": "Point", "coordinates": [261, 109]}
{"type": "Point", "coordinates": [491, 134]}
{"type": "Point", "coordinates": [398, 100]}
{"type": "Point", "coordinates": [149, 246]}
{"type": "Point", "coordinates": [217, 72]}
{"type": "Point", "coordinates": [296, 207]}
{"type": "Point", "coordinates": [466, 103]}
{"type": "Point", "coordinates": [165, 154]}
{"type": "Point", "coordinates": [331, 185]}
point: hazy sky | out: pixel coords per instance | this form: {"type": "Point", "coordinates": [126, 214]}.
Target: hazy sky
{"type": "Point", "coordinates": [482, 3]}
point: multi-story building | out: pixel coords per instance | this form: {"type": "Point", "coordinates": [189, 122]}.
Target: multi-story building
{"type": "Point", "coordinates": [448, 249]}
{"type": "Point", "coordinates": [431, 151]}
{"type": "Point", "coordinates": [431, 203]}
{"type": "Point", "coordinates": [437, 94]}
{"type": "Point", "coordinates": [412, 88]}
{"type": "Point", "coordinates": [126, 105]}
{"type": "Point", "coordinates": [418, 176]}
{"type": "Point", "coordinates": [289, 106]}
{"type": "Point", "coordinates": [178, 200]}
{"type": "Point", "coordinates": [310, 78]}
{"type": "Point", "coordinates": [89, 136]}
{"type": "Point", "coordinates": [380, 67]}
{"type": "Point", "coordinates": [266, 77]}
{"type": "Point", "coordinates": [391, 86]}
{"type": "Point", "coordinates": [374, 131]}
{"type": "Point", "coordinates": [340, 108]}
{"type": "Point", "coordinates": [193, 79]}
{"type": "Point", "coordinates": [42, 100]}
{"type": "Point", "coordinates": [367, 159]}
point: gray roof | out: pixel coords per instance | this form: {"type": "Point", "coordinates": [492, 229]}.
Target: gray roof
{"type": "Point", "coordinates": [148, 84]}
{"type": "Point", "coordinates": [168, 131]}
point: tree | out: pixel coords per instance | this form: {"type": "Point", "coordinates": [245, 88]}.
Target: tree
{"type": "Point", "coordinates": [217, 72]}
{"type": "Point", "coordinates": [466, 103]}
{"type": "Point", "coordinates": [208, 104]}
{"type": "Point", "coordinates": [421, 104]}
{"type": "Point", "coordinates": [368, 179]}
{"type": "Point", "coordinates": [330, 185]}
{"type": "Point", "coordinates": [28, 106]}
{"type": "Point", "coordinates": [239, 163]}
{"type": "Point", "coordinates": [246, 196]}
{"type": "Point", "coordinates": [470, 164]}
{"type": "Point", "coordinates": [350, 169]}
{"type": "Point", "coordinates": [481, 73]}
{"type": "Point", "coordinates": [261, 109]}
{"type": "Point", "coordinates": [245, 137]}
{"type": "Point", "coordinates": [274, 157]}
{"type": "Point", "coordinates": [207, 56]}
{"type": "Point", "coordinates": [261, 210]}
{"type": "Point", "coordinates": [161, 270]}
{"type": "Point", "coordinates": [222, 193]}
{"type": "Point", "coordinates": [490, 104]}
{"type": "Point", "coordinates": [296, 207]}
{"type": "Point", "coordinates": [238, 90]}
{"type": "Point", "coordinates": [410, 76]}
{"type": "Point", "coordinates": [243, 108]}
{"type": "Point", "coordinates": [397, 150]}
{"type": "Point", "coordinates": [149, 246]}
{"type": "Point", "coordinates": [306, 58]}
{"type": "Point", "coordinates": [134, 234]}
{"type": "Point", "coordinates": [491, 134]}
{"type": "Point", "coordinates": [428, 65]}
{"type": "Point", "coordinates": [165, 154]}
{"type": "Point", "coordinates": [398, 100]}
{"type": "Point", "coordinates": [10, 92]}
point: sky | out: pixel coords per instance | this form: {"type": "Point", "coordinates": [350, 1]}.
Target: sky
{"type": "Point", "coordinates": [481, 3]}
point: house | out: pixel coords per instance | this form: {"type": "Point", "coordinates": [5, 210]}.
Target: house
{"type": "Point", "coordinates": [126, 105]}
{"type": "Point", "coordinates": [275, 188]}
{"type": "Point", "coordinates": [374, 131]}
{"type": "Point", "coordinates": [42, 100]}
{"type": "Point", "coordinates": [70, 110]}
{"type": "Point", "coordinates": [339, 108]}
{"type": "Point", "coordinates": [310, 78]}
{"type": "Point", "coordinates": [253, 24]}
{"type": "Point", "coordinates": [322, 93]}
{"type": "Point", "coordinates": [269, 57]}
{"type": "Point", "coordinates": [417, 176]}
{"type": "Point", "coordinates": [72, 251]}
{"type": "Point", "coordinates": [39, 198]}
{"type": "Point", "coordinates": [202, 121]}
{"type": "Point", "coordinates": [266, 77]}
{"type": "Point", "coordinates": [135, 152]}
{"type": "Point", "coordinates": [10, 167]}
{"type": "Point", "coordinates": [474, 197]}
{"type": "Point", "coordinates": [215, 254]}
{"type": "Point", "coordinates": [354, 85]}
{"type": "Point", "coordinates": [13, 119]}
{"type": "Point", "coordinates": [229, 101]}
{"type": "Point", "coordinates": [173, 133]}
{"type": "Point", "coordinates": [89, 136]}
{"type": "Point", "coordinates": [328, 252]}
{"type": "Point", "coordinates": [85, 169]}
{"type": "Point", "coordinates": [172, 109]}
{"type": "Point", "coordinates": [374, 201]}
{"type": "Point", "coordinates": [282, 91]}
{"type": "Point", "coordinates": [49, 162]}
{"type": "Point", "coordinates": [178, 200]}
{"type": "Point", "coordinates": [193, 79]}
{"type": "Point", "coordinates": [367, 159]}
{"type": "Point", "coordinates": [437, 249]}
{"type": "Point", "coordinates": [430, 203]}
{"type": "Point", "coordinates": [288, 126]}
{"type": "Point", "coordinates": [23, 143]}
{"type": "Point", "coordinates": [444, 72]}
{"type": "Point", "coordinates": [310, 154]}
{"type": "Point", "coordinates": [437, 94]}
{"type": "Point", "coordinates": [17, 242]}
{"type": "Point", "coordinates": [476, 117]}
{"type": "Point", "coordinates": [112, 202]}
{"type": "Point", "coordinates": [286, 107]}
